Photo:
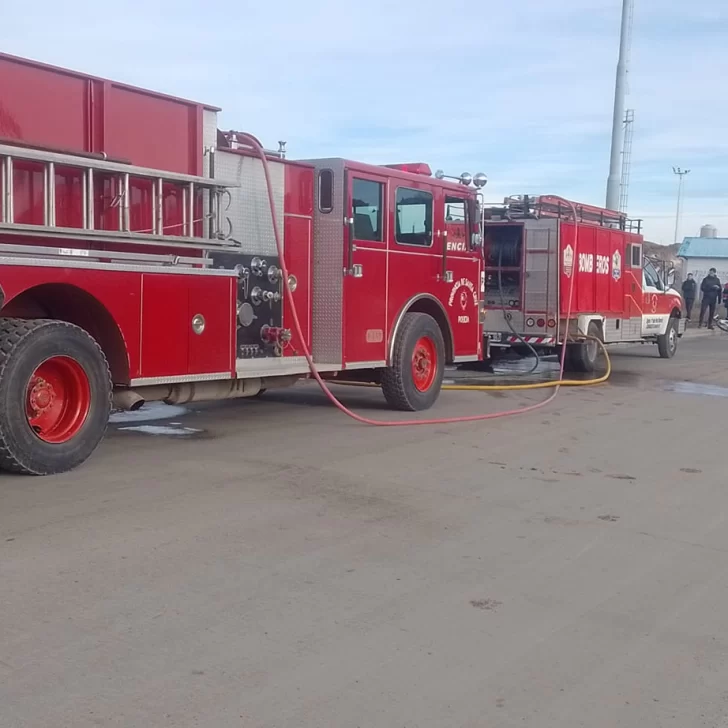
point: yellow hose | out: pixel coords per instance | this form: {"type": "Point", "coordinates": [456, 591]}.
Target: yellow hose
{"type": "Point", "coordinates": [513, 387]}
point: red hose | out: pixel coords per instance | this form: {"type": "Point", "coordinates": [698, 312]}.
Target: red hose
{"type": "Point", "coordinates": [254, 144]}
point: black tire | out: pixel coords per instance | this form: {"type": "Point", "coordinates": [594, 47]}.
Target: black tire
{"type": "Point", "coordinates": [667, 342]}
{"type": "Point", "coordinates": [583, 356]}
{"type": "Point", "coordinates": [25, 345]}
{"type": "Point", "coordinates": [398, 381]}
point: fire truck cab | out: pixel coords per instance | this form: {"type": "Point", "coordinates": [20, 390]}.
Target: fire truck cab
{"type": "Point", "coordinates": [411, 244]}
{"type": "Point", "coordinates": [542, 265]}
{"type": "Point", "coordinates": [139, 260]}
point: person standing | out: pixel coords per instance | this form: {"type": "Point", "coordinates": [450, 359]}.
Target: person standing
{"type": "Point", "coordinates": [711, 290]}
{"type": "Point", "coordinates": [725, 299]}
{"type": "Point", "coordinates": [689, 289]}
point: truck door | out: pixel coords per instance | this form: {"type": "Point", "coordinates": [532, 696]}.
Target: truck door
{"type": "Point", "coordinates": [365, 270]}
{"type": "Point", "coordinates": [654, 318]}
{"type": "Point", "coordinates": [634, 283]}
{"type": "Point", "coordinates": [462, 256]}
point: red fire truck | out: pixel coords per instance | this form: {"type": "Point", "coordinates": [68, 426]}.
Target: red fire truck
{"type": "Point", "coordinates": [139, 261]}
{"type": "Point", "coordinates": [537, 257]}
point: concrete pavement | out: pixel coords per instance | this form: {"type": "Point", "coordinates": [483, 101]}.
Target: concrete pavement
{"type": "Point", "coordinates": [283, 567]}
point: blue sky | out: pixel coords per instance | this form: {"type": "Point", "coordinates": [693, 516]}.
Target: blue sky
{"type": "Point", "coordinates": [522, 91]}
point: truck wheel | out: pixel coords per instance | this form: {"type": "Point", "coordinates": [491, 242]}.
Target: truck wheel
{"type": "Point", "coordinates": [583, 356]}
{"type": "Point", "coordinates": [667, 342]}
{"type": "Point", "coordinates": [413, 380]}
{"type": "Point", "coordinates": [55, 391]}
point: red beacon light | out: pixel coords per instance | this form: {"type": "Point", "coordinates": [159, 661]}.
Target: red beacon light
{"type": "Point", "coordinates": [413, 168]}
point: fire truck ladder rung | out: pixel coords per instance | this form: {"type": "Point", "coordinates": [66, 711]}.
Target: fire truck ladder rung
{"type": "Point", "coordinates": [41, 251]}
{"type": "Point", "coordinates": [120, 237]}
{"type": "Point", "coordinates": [189, 185]}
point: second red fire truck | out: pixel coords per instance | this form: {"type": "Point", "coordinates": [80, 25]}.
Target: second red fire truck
{"type": "Point", "coordinates": [139, 261]}
{"type": "Point", "coordinates": [542, 269]}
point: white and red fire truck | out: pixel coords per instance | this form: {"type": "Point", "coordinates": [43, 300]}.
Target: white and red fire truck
{"type": "Point", "coordinates": [541, 266]}
{"type": "Point", "coordinates": [139, 261]}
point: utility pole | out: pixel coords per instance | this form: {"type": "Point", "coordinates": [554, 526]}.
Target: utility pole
{"type": "Point", "coordinates": [620, 91]}
{"type": "Point", "coordinates": [681, 175]}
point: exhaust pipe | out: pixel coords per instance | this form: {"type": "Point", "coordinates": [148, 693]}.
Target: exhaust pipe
{"type": "Point", "coordinates": [187, 392]}
{"type": "Point", "coordinates": [127, 399]}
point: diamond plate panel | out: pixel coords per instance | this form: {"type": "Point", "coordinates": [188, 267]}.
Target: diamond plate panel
{"type": "Point", "coordinates": [249, 209]}
{"type": "Point", "coordinates": [209, 138]}
{"type": "Point", "coordinates": [495, 321]}
{"type": "Point", "coordinates": [538, 235]}
{"type": "Point", "coordinates": [611, 332]}
{"type": "Point", "coordinates": [632, 329]}
{"type": "Point", "coordinates": [629, 329]}
{"type": "Point", "coordinates": [537, 282]}
{"type": "Point", "coordinates": [328, 266]}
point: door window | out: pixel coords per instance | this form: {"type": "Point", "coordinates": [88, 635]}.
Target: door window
{"type": "Point", "coordinates": [413, 217]}
{"type": "Point", "coordinates": [454, 210]}
{"type": "Point", "coordinates": [366, 202]}
{"type": "Point", "coordinates": [326, 190]}
{"type": "Point", "coordinates": [635, 255]}
{"type": "Point", "coordinates": [652, 278]}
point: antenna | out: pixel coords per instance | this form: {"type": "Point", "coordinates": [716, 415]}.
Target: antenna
{"type": "Point", "coordinates": [620, 91]}
{"type": "Point", "coordinates": [681, 173]}
{"type": "Point", "coordinates": [626, 160]}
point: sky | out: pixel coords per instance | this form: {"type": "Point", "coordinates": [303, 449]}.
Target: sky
{"type": "Point", "coordinates": [522, 91]}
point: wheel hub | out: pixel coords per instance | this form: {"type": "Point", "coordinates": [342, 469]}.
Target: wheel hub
{"type": "Point", "coordinates": [58, 399]}
{"type": "Point", "coordinates": [41, 396]}
{"type": "Point", "coordinates": [424, 363]}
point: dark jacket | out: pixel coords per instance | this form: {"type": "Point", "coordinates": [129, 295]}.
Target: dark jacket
{"type": "Point", "coordinates": [689, 289]}
{"type": "Point", "coordinates": [725, 295]}
{"type": "Point", "coordinates": [711, 288]}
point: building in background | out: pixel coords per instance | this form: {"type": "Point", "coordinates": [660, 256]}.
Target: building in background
{"type": "Point", "coordinates": [703, 253]}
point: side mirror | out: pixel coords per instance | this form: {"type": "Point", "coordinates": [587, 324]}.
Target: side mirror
{"type": "Point", "coordinates": [670, 277]}
{"type": "Point", "coordinates": [476, 241]}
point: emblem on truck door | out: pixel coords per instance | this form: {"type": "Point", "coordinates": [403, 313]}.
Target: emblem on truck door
{"type": "Point", "coordinates": [568, 264]}
{"type": "Point", "coordinates": [616, 265]}
{"type": "Point", "coordinates": [467, 291]}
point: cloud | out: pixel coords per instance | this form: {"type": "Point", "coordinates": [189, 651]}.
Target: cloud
{"type": "Point", "coordinates": [522, 91]}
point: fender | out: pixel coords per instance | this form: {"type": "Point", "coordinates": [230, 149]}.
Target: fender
{"type": "Point", "coordinates": [579, 324]}
{"type": "Point", "coordinates": [449, 338]}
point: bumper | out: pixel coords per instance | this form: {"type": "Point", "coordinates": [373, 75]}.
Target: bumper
{"type": "Point", "coordinates": [508, 339]}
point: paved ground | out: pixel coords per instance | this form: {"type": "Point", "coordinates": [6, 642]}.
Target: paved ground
{"type": "Point", "coordinates": [286, 568]}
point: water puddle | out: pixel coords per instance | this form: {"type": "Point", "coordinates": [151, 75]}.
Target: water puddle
{"type": "Point", "coordinates": [148, 413]}
{"type": "Point", "coordinates": [162, 430]}
{"type": "Point", "coordinates": [508, 372]}
{"type": "Point", "coordinates": [705, 390]}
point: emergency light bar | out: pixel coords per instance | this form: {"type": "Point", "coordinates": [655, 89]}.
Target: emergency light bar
{"type": "Point", "coordinates": [412, 167]}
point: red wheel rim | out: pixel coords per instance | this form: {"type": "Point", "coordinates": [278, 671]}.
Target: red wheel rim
{"type": "Point", "coordinates": [424, 363]}
{"type": "Point", "coordinates": [58, 399]}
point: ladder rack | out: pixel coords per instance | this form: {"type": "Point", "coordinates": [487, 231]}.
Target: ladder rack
{"type": "Point", "coordinates": [548, 206]}
{"type": "Point", "coordinates": [201, 201]}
